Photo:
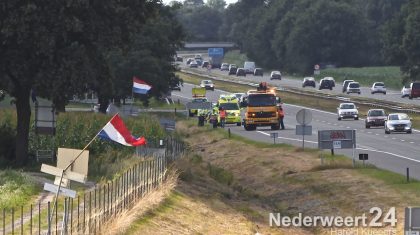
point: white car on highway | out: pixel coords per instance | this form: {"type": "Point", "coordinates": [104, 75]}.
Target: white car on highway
{"type": "Point", "coordinates": [406, 91]}
{"type": "Point", "coordinates": [378, 87]}
{"type": "Point", "coordinates": [347, 110]}
{"type": "Point", "coordinates": [398, 122]}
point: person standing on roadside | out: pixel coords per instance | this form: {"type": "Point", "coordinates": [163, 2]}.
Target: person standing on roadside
{"type": "Point", "coordinates": [222, 115]}
{"type": "Point", "coordinates": [280, 112]}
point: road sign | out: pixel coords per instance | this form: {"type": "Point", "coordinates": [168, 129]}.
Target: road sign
{"type": "Point", "coordinates": [303, 130]}
{"type": "Point", "coordinates": [64, 191]}
{"type": "Point", "coordinates": [316, 67]}
{"type": "Point", "coordinates": [68, 174]}
{"type": "Point", "coordinates": [215, 52]}
{"type": "Point", "coordinates": [363, 156]}
{"type": "Point", "coordinates": [330, 139]}
{"type": "Point", "coordinates": [337, 144]}
{"type": "Point", "coordinates": [274, 135]}
{"type": "Point", "coordinates": [412, 221]}
{"type": "Point", "coordinates": [317, 72]}
{"type": "Point", "coordinates": [304, 116]}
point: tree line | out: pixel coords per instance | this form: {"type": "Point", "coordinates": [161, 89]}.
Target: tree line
{"type": "Point", "coordinates": [57, 49]}
{"type": "Point", "coordinates": [294, 35]}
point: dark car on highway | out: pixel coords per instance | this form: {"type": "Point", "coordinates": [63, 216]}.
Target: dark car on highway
{"type": "Point", "coordinates": [325, 84]}
{"type": "Point", "coordinates": [308, 81]}
{"type": "Point", "coordinates": [258, 72]}
{"type": "Point", "coordinates": [375, 117]}
{"type": "Point", "coordinates": [232, 70]}
{"type": "Point", "coordinates": [240, 72]}
{"type": "Point", "coordinates": [415, 90]}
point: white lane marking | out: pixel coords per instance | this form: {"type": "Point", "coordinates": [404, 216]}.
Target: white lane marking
{"type": "Point", "coordinates": [392, 154]}
{"type": "Point", "coordinates": [394, 138]}
{"type": "Point", "coordinates": [335, 124]}
{"type": "Point", "coordinates": [376, 134]}
{"type": "Point", "coordinates": [329, 123]}
{"type": "Point", "coordinates": [264, 133]}
{"type": "Point", "coordinates": [369, 132]}
{"type": "Point", "coordinates": [411, 142]}
{"type": "Point", "coordinates": [182, 96]}
{"type": "Point", "coordinates": [347, 127]}
{"type": "Point", "coordinates": [386, 136]}
{"type": "Point", "coordinates": [366, 149]}
{"type": "Point", "coordinates": [402, 140]}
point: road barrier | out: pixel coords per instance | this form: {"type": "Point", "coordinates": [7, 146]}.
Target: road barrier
{"type": "Point", "coordinates": [90, 210]}
{"type": "Point", "coordinates": [377, 104]}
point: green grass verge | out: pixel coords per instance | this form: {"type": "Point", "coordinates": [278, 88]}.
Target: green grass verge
{"type": "Point", "coordinates": [16, 189]}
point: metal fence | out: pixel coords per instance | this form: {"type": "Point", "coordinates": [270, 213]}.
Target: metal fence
{"type": "Point", "coordinates": [90, 209]}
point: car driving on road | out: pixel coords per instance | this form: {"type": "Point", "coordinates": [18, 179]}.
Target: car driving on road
{"type": "Point", "coordinates": [208, 84]}
{"type": "Point", "coordinates": [345, 84]}
{"type": "Point", "coordinates": [325, 84]}
{"type": "Point", "coordinates": [378, 87]}
{"type": "Point", "coordinates": [240, 72]}
{"type": "Point", "coordinates": [375, 117]}
{"type": "Point", "coordinates": [308, 81]}
{"type": "Point", "coordinates": [275, 75]}
{"type": "Point", "coordinates": [347, 110]}
{"type": "Point", "coordinates": [224, 67]}
{"type": "Point", "coordinates": [258, 72]}
{"type": "Point", "coordinates": [405, 91]}
{"type": "Point", "coordinates": [415, 90]}
{"type": "Point", "coordinates": [330, 79]}
{"type": "Point", "coordinates": [353, 87]}
{"type": "Point", "coordinates": [232, 69]}
{"type": "Point", "coordinates": [398, 122]}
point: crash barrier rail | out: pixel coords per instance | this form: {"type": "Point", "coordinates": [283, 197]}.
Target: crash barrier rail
{"type": "Point", "coordinates": [92, 209]}
{"type": "Point", "coordinates": [378, 104]}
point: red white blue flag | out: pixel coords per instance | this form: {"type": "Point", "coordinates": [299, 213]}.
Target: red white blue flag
{"type": "Point", "coordinates": [116, 130]}
{"type": "Point", "coordinates": [140, 86]}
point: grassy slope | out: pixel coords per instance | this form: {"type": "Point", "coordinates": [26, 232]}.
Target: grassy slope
{"type": "Point", "coordinates": [246, 187]}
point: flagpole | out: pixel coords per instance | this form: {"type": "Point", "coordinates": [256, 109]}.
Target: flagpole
{"type": "Point", "coordinates": [67, 167]}
{"type": "Point", "coordinates": [132, 101]}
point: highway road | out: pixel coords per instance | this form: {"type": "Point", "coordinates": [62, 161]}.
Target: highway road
{"type": "Point", "coordinates": [391, 96]}
{"type": "Point", "coordinates": [394, 152]}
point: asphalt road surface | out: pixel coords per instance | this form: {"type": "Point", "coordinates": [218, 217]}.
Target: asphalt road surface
{"type": "Point", "coordinates": [394, 152]}
{"type": "Point", "coordinates": [392, 95]}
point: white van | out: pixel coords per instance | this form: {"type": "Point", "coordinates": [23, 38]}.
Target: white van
{"type": "Point", "coordinates": [249, 67]}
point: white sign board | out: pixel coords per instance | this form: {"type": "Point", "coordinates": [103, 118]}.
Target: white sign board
{"type": "Point", "coordinates": [63, 191]}
{"type": "Point", "coordinates": [337, 144]}
{"type": "Point", "coordinates": [68, 174]}
{"type": "Point", "coordinates": [65, 156]}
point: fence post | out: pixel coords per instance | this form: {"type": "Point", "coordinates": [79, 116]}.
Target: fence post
{"type": "Point", "coordinates": [48, 216]}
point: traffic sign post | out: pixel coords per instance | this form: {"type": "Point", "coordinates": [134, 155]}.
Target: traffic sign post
{"type": "Point", "coordinates": [304, 117]}
{"type": "Point", "coordinates": [274, 135]}
{"type": "Point", "coordinates": [338, 139]}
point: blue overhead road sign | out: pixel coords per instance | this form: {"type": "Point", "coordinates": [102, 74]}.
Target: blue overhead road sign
{"type": "Point", "coordinates": [215, 52]}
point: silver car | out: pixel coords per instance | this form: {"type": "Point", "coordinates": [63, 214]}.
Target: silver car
{"type": "Point", "coordinates": [398, 122]}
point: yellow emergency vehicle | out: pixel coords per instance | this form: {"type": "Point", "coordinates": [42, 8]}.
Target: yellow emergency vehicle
{"type": "Point", "coordinates": [230, 103]}
{"type": "Point", "coordinates": [198, 96]}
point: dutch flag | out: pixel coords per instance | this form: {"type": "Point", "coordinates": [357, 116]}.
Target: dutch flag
{"type": "Point", "coordinates": [140, 86]}
{"type": "Point", "coordinates": [115, 130]}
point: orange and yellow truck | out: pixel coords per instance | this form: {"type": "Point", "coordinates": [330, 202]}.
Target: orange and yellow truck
{"type": "Point", "coordinates": [261, 109]}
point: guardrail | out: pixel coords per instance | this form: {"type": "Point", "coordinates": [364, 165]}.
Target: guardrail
{"type": "Point", "coordinates": [293, 90]}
